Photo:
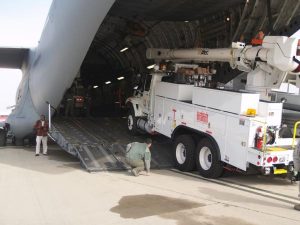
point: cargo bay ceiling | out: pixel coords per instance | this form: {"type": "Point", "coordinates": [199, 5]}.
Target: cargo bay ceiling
{"type": "Point", "coordinates": [141, 24]}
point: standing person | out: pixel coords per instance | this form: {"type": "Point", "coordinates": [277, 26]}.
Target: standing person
{"type": "Point", "coordinates": [138, 156]}
{"type": "Point", "coordinates": [41, 126]}
{"type": "Point", "coordinates": [69, 107]}
{"type": "Point", "coordinates": [297, 170]}
{"type": "Point", "coordinates": [258, 39]}
{"type": "Point", "coordinates": [88, 102]}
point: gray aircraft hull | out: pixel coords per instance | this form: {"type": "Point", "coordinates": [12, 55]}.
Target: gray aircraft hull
{"type": "Point", "coordinates": [52, 66]}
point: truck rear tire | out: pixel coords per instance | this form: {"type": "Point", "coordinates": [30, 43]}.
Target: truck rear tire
{"type": "Point", "coordinates": [207, 159]}
{"type": "Point", "coordinates": [132, 122]}
{"type": "Point", "coordinates": [184, 153]}
{"type": "Point", "coordinates": [2, 137]}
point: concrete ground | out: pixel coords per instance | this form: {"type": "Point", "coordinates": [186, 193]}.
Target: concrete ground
{"type": "Point", "coordinates": [55, 190]}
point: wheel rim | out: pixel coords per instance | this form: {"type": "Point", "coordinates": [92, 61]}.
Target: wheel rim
{"type": "Point", "coordinates": [130, 122]}
{"type": "Point", "coordinates": [180, 153]}
{"type": "Point", "coordinates": [205, 158]}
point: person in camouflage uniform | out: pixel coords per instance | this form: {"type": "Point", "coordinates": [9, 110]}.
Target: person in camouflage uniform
{"type": "Point", "coordinates": [138, 156]}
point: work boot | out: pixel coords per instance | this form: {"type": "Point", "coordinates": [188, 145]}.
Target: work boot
{"type": "Point", "coordinates": [297, 207]}
{"type": "Point", "coordinates": [145, 173]}
{"type": "Point", "coordinates": [296, 177]}
{"type": "Point", "coordinates": [134, 172]}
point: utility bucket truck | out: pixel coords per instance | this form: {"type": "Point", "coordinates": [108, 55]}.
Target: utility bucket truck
{"type": "Point", "coordinates": [213, 128]}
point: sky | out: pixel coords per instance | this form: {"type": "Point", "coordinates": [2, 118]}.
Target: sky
{"type": "Point", "coordinates": [8, 91]}
{"type": "Point", "coordinates": [21, 25]}
{"type": "Point", "coordinates": [22, 21]}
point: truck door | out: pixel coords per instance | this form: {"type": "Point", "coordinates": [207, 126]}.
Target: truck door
{"type": "Point", "coordinates": [146, 94]}
{"type": "Point", "coordinates": [158, 114]}
{"type": "Point", "coordinates": [170, 117]}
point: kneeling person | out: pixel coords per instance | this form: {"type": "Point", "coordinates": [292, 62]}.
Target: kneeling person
{"type": "Point", "coordinates": [138, 156]}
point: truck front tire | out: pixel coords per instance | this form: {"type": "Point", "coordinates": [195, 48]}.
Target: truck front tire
{"type": "Point", "coordinates": [184, 153]}
{"type": "Point", "coordinates": [131, 122]}
{"type": "Point", "coordinates": [207, 159]}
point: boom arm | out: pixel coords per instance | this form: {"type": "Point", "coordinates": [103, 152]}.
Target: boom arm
{"type": "Point", "coordinates": [278, 52]}
{"type": "Point", "coordinates": [267, 65]}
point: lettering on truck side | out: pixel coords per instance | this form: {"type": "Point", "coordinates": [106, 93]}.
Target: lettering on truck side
{"type": "Point", "coordinates": [202, 117]}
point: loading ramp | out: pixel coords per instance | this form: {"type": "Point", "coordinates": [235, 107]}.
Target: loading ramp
{"type": "Point", "coordinates": [100, 143]}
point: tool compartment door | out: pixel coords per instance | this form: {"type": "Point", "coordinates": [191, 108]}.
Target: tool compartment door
{"type": "Point", "coordinates": [237, 132]}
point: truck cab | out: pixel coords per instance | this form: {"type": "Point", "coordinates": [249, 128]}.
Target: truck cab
{"type": "Point", "coordinates": [140, 107]}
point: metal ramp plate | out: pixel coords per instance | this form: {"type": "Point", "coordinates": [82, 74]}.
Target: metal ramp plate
{"type": "Point", "coordinates": [100, 143]}
{"type": "Point", "coordinates": [96, 158]}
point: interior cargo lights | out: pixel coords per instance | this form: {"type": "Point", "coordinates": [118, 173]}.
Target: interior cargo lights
{"type": "Point", "coordinates": [95, 86]}
{"type": "Point", "coordinates": [124, 49]}
{"type": "Point", "coordinates": [107, 82]}
{"type": "Point", "coordinates": [120, 78]}
{"type": "Point", "coordinates": [186, 21]}
{"type": "Point", "coordinates": [150, 66]}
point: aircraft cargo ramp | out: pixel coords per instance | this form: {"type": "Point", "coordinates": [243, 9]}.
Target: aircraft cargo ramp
{"type": "Point", "coordinates": [100, 143]}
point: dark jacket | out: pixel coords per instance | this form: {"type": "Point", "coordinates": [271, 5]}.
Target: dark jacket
{"type": "Point", "coordinates": [41, 130]}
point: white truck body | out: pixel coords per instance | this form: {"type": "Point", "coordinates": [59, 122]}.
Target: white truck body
{"type": "Point", "coordinates": [213, 128]}
{"type": "Point", "coordinates": [223, 120]}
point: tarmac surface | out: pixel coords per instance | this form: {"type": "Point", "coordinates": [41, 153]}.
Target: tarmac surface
{"type": "Point", "coordinates": [55, 190]}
